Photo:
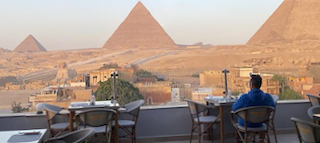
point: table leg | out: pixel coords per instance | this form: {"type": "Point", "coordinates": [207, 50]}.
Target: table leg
{"type": "Point", "coordinates": [221, 124]}
{"type": "Point", "coordinates": [71, 116]}
{"type": "Point", "coordinates": [116, 126]}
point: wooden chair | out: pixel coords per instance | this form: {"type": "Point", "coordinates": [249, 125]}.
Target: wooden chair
{"type": "Point", "coordinates": [314, 100]}
{"type": "Point", "coordinates": [253, 114]}
{"type": "Point", "coordinates": [272, 127]}
{"type": "Point", "coordinates": [132, 109]}
{"type": "Point", "coordinates": [314, 110]}
{"type": "Point", "coordinates": [79, 136]}
{"type": "Point", "coordinates": [196, 109]}
{"type": "Point", "coordinates": [100, 120]}
{"type": "Point", "coordinates": [307, 132]}
{"type": "Point", "coordinates": [52, 113]}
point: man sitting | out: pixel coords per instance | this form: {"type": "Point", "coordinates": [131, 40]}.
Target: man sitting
{"type": "Point", "coordinates": [255, 97]}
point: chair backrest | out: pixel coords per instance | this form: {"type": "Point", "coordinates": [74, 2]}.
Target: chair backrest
{"type": "Point", "coordinates": [78, 136]}
{"type": "Point", "coordinates": [275, 98]}
{"type": "Point", "coordinates": [196, 108]}
{"type": "Point", "coordinates": [313, 110]}
{"type": "Point", "coordinates": [133, 108]}
{"type": "Point", "coordinates": [96, 117]}
{"type": "Point", "coordinates": [51, 112]}
{"type": "Point", "coordinates": [314, 100]}
{"type": "Point", "coordinates": [255, 114]}
{"type": "Point", "coordinates": [307, 132]}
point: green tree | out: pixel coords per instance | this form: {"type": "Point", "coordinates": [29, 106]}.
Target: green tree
{"type": "Point", "coordinates": [282, 80]}
{"type": "Point", "coordinates": [195, 75]}
{"type": "Point", "coordinates": [289, 94]}
{"type": "Point", "coordinates": [110, 65]}
{"type": "Point", "coordinates": [135, 67]}
{"type": "Point", "coordinates": [141, 72]}
{"type": "Point", "coordinates": [285, 92]}
{"type": "Point", "coordinates": [126, 92]}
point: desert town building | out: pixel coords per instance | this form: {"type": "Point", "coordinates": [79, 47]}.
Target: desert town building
{"type": "Point", "coordinates": [102, 75]}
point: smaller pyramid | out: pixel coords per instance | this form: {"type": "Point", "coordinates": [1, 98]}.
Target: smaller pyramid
{"type": "Point", "coordinates": [2, 50]}
{"type": "Point", "coordinates": [30, 44]}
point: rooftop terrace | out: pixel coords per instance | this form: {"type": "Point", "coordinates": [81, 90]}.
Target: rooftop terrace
{"type": "Point", "coordinates": [173, 124]}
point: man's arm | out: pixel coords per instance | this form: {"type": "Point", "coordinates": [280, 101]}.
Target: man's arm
{"type": "Point", "coordinates": [238, 104]}
{"type": "Point", "coordinates": [271, 101]}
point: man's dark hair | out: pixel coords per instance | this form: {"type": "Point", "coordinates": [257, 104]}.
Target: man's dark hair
{"type": "Point", "coordinates": [256, 81]}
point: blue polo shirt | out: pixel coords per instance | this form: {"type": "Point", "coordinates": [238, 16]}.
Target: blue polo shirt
{"type": "Point", "coordinates": [255, 97]}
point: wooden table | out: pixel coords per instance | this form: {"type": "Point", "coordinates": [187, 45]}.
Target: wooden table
{"type": "Point", "coordinates": [220, 103]}
{"type": "Point", "coordinates": [5, 135]}
{"type": "Point", "coordinates": [78, 106]}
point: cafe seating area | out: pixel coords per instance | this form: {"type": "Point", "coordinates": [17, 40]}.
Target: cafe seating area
{"type": "Point", "coordinates": [137, 123]}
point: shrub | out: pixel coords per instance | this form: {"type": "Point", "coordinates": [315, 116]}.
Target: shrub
{"type": "Point", "coordinates": [17, 108]}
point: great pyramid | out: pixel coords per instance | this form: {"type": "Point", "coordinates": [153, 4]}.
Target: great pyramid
{"type": "Point", "coordinates": [293, 21]}
{"type": "Point", "coordinates": [140, 30]}
{"type": "Point", "coordinates": [30, 44]}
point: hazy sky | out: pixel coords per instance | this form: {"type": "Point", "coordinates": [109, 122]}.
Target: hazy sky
{"type": "Point", "coordinates": [77, 24]}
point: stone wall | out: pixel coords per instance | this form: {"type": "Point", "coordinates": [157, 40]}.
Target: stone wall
{"type": "Point", "coordinates": [155, 93]}
{"type": "Point", "coordinates": [211, 78]}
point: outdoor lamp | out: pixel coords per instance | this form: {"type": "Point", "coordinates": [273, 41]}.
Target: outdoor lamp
{"type": "Point", "coordinates": [39, 108]}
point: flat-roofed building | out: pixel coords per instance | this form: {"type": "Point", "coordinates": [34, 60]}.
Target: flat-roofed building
{"type": "Point", "coordinates": [102, 75]}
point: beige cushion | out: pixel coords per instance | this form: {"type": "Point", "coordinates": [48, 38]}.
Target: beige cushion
{"type": "Point", "coordinates": [59, 126]}
{"type": "Point", "coordinates": [125, 123]}
{"type": "Point", "coordinates": [207, 119]}
{"type": "Point", "coordinates": [101, 129]}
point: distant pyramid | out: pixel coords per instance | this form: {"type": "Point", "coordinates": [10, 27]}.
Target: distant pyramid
{"type": "Point", "coordinates": [2, 50]}
{"type": "Point", "coordinates": [30, 44]}
{"type": "Point", "coordinates": [294, 20]}
{"type": "Point", "coordinates": [140, 30]}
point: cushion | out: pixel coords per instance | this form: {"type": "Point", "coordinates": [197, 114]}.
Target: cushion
{"type": "Point", "coordinates": [207, 119]}
{"type": "Point", "coordinates": [58, 126]}
{"type": "Point", "coordinates": [101, 129]}
{"type": "Point", "coordinates": [257, 129]}
{"type": "Point", "coordinates": [125, 123]}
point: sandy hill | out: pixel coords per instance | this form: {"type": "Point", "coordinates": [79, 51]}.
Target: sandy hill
{"type": "Point", "coordinates": [30, 44]}
{"type": "Point", "coordinates": [140, 30]}
{"type": "Point", "coordinates": [293, 21]}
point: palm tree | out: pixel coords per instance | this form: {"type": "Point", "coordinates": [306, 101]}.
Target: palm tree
{"type": "Point", "coordinates": [282, 81]}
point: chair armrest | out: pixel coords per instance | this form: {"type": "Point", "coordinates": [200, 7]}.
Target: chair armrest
{"type": "Point", "coordinates": [232, 113]}
{"type": "Point", "coordinates": [122, 110]}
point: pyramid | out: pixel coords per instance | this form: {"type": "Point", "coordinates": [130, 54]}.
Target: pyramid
{"type": "Point", "coordinates": [293, 21]}
{"type": "Point", "coordinates": [140, 30]}
{"type": "Point", "coordinates": [30, 44]}
{"type": "Point", "coordinates": [2, 50]}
